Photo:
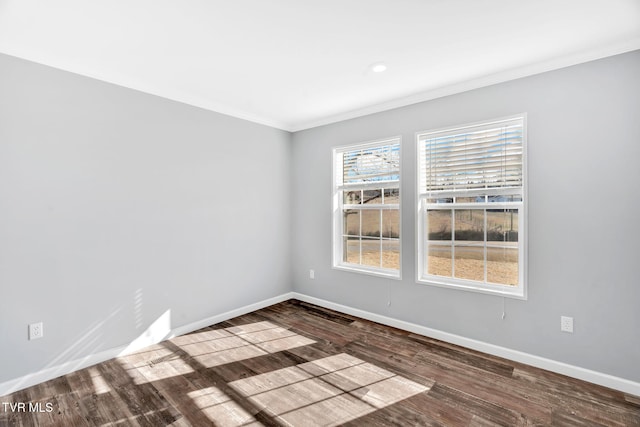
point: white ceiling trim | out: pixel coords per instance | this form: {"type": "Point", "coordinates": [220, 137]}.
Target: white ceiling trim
{"type": "Point", "coordinates": [294, 65]}
{"type": "Point", "coordinates": [501, 77]}
{"type": "Point", "coordinates": [508, 75]}
{"type": "Point", "coordinates": [144, 87]}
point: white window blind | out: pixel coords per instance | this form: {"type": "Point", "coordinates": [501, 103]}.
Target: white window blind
{"type": "Point", "coordinates": [483, 157]}
{"type": "Point", "coordinates": [371, 163]}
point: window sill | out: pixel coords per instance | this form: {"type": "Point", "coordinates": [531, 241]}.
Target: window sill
{"type": "Point", "coordinates": [497, 290]}
{"type": "Point", "coordinates": [372, 271]}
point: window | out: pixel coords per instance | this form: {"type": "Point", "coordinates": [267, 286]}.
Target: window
{"type": "Point", "coordinates": [471, 207]}
{"type": "Point", "coordinates": [366, 208]}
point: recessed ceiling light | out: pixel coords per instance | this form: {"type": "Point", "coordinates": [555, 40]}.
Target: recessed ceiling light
{"type": "Point", "coordinates": [378, 67]}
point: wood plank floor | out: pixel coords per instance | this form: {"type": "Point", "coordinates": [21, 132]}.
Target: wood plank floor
{"type": "Point", "coordinates": [302, 365]}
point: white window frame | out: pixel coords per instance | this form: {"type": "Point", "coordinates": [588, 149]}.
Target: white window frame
{"type": "Point", "coordinates": [518, 291]}
{"type": "Point", "coordinates": [338, 205]}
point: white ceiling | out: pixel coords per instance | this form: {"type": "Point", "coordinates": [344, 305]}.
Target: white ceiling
{"type": "Point", "coordinates": [296, 64]}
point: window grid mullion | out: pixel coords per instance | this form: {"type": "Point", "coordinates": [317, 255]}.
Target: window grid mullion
{"type": "Point", "coordinates": [453, 243]}
{"type": "Point", "coordinates": [360, 238]}
{"type": "Point", "coordinates": [486, 254]}
{"type": "Point", "coordinates": [380, 235]}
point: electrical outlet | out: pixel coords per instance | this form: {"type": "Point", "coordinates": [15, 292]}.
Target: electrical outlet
{"type": "Point", "coordinates": [312, 274]}
{"type": "Point", "coordinates": [566, 324]}
{"type": "Point", "coordinates": [36, 331]}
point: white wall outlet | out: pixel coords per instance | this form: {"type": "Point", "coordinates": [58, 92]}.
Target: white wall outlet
{"type": "Point", "coordinates": [36, 331]}
{"type": "Point", "coordinates": [312, 274]}
{"type": "Point", "coordinates": [566, 324]}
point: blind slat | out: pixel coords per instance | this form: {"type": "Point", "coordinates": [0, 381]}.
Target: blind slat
{"type": "Point", "coordinates": [473, 157]}
{"type": "Point", "coordinates": [377, 163]}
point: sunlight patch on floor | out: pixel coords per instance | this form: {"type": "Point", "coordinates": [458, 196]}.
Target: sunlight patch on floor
{"type": "Point", "coordinates": [327, 392]}
{"type": "Point", "coordinates": [200, 336]}
{"type": "Point", "coordinates": [222, 346]}
{"type": "Point", "coordinates": [99, 384]}
{"type": "Point", "coordinates": [165, 369]}
{"type": "Point", "coordinates": [219, 408]}
{"type": "Point", "coordinates": [210, 348]}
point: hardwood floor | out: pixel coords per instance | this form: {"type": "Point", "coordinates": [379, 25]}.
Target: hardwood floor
{"type": "Point", "coordinates": [302, 365]}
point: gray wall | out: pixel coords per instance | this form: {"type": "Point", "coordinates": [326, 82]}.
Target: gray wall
{"type": "Point", "coordinates": [116, 206]}
{"type": "Point", "coordinates": [584, 217]}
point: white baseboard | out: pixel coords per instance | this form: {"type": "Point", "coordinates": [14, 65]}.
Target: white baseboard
{"type": "Point", "coordinates": [595, 377]}
{"type": "Point", "coordinates": [52, 372]}
{"type": "Point", "coordinates": [229, 315]}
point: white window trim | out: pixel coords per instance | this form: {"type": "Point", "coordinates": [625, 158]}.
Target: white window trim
{"type": "Point", "coordinates": [518, 292]}
{"type": "Point", "coordinates": [337, 207]}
